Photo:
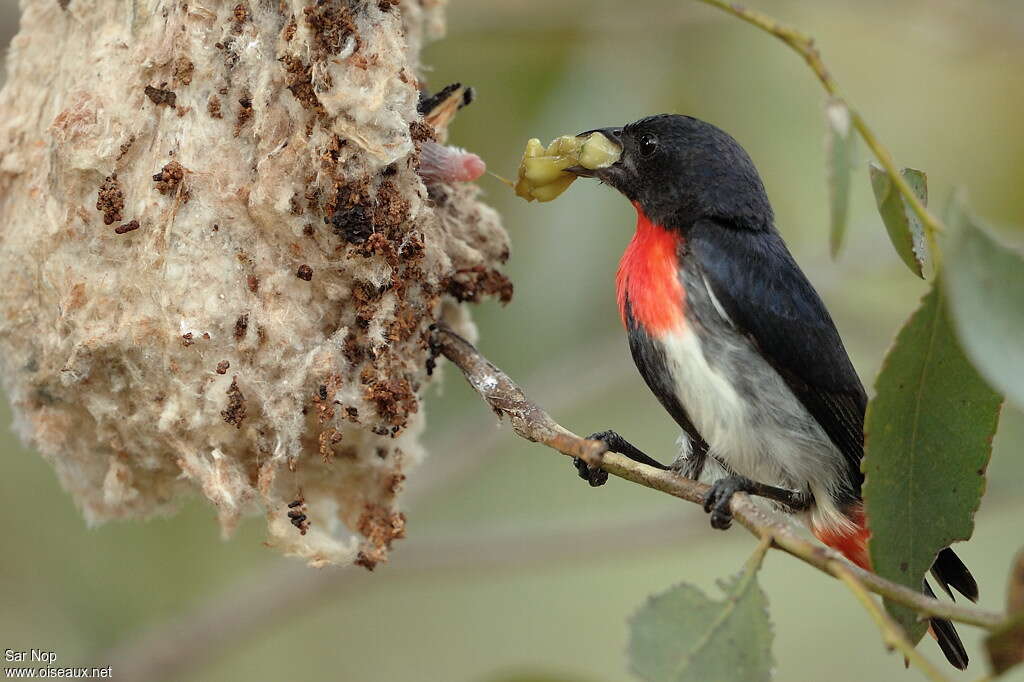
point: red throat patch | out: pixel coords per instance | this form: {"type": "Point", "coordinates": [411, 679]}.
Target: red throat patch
{"type": "Point", "coordinates": [648, 277]}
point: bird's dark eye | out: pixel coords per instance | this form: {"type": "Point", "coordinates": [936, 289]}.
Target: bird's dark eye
{"type": "Point", "coordinates": [647, 144]}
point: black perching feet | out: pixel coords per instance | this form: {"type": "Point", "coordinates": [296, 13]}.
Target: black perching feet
{"type": "Point", "coordinates": [716, 502]}
{"type": "Point", "coordinates": [595, 477]}
{"type": "Point", "coordinates": [615, 443]}
{"type": "Point", "coordinates": [433, 350]}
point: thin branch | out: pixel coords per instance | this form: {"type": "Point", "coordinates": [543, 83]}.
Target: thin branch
{"type": "Point", "coordinates": [531, 422]}
{"type": "Point", "coordinates": [804, 45]}
{"type": "Point", "coordinates": [892, 634]}
{"type": "Point", "coordinates": [558, 380]}
{"type": "Point", "coordinates": [756, 559]}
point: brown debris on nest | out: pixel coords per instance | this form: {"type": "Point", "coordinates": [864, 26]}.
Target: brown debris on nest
{"type": "Point", "coordinates": [299, 81]}
{"type": "Point", "coordinates": [213, 107]}
{"type": "Point", "coordinates": [161, 97]}
{"type": "Point", "coordinates": [380, 527]}
{"type": "Point", "coordinates": [110, 200]}
{"type": "Point", "coordinates": [241, 326]}
{"type": "Point", "coordinates": [240, 16]}
{"type": "Point", "coordinates": [235, 411]}
{"type": "Point", "coordinates": [183, 70]}
{"type": "Point", "coordinates": [331, 24]}
{"type": "Point", "coordinates": [170, 178]}
{"type": "Point", "coordinates": [472, 284]}
{"type": "Point", "coordinates": [393, 398]}
{"type": "Point", "coordinates": [244, 113]}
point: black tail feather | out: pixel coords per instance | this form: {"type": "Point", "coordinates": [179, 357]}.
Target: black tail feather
{"type": "Point", "coordinates": [945, 634]}
{"type": "Point", "coordinates": [950, 571]}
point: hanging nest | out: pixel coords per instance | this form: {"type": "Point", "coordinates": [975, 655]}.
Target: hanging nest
{"type": "Point", "coordinates": [220, 259]}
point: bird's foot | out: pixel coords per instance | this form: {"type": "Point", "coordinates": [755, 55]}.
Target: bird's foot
{"type": "Point", "coordinates": [592, 475]}
{"type": "Point", "coordinates": [615, 443]}
{"type": "Point", "coordinates": [718, 499]}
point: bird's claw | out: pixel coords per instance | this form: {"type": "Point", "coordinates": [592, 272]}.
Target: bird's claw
{"type": "Point", "coordinates": [433, 349]}
{"type": "Point", "coordinates": [592, 475]}
{"type": "Point", "coordinates": [717, 500]}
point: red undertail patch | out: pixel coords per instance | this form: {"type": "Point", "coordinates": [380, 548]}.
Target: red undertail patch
{"type": "Point", "coordinates": [648, 277]}
{"type": "Point", "coordinates": [853, 544]}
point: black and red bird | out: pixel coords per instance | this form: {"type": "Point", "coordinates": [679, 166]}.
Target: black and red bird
{"type": "Point", "coordinates": [737, 345]}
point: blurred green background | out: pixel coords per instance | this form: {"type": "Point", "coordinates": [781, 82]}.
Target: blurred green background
{"type": "Point", "coordinates": [516, 570]}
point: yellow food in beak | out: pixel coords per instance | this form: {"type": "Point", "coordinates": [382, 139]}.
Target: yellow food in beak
{"type": "Point", "coordinates": [599, 152]}
{"type": "Point", "coordinates": [542, 175]}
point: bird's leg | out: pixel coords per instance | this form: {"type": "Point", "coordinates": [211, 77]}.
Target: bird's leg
{"type": "Point", "coordinates": [716, 502]}
{"type": "Point", "coordinates": [615, 443]}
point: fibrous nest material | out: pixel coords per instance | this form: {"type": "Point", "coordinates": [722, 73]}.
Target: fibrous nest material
{"type": "Point", "coordinates": [220, 263]}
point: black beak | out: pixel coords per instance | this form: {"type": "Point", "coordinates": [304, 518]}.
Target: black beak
{"type": "Point", "coordinates": [614, 134]}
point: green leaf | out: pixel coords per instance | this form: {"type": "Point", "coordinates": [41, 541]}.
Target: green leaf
{"type": "Point", "coordinates": [839, 153]}
{"type": "Point", "coordinates": [928, 438]}
{"type": "Point", "coordinates": [985, 285]}
{"type": "Point", "coordinates": [682, 635]}
{"type": "Point", "coordinates": [903, 225]}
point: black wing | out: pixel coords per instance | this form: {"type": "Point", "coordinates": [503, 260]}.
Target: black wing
{"type": "Point", "coordinates": [768, 297]}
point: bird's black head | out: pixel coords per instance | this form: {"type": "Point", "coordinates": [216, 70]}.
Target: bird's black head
{"type": "Point", "coordinates": [679, 169]}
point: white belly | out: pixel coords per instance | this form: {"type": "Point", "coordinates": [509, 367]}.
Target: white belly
{"type": "Point", "coordinates": [750, 418]}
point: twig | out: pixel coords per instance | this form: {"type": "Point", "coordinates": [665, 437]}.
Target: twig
{"type": "Point", "coordinates": [757, 558]}
{"type": "Point", "coordinates": [534, 424]}
{"type": "Point", "coordinates": [804, 45]}
{"type": "Point", "coordinates": [558, 380]}
{"type": "Point", "coordinates": [892, 634]}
